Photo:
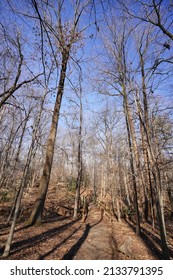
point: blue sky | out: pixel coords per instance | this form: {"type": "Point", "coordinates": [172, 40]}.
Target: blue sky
{"type": "Point", "coordinates": [89, 53]}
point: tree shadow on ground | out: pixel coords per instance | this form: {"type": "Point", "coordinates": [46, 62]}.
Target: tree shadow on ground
{"type": "Point", "coordinates": [74, 249]}
{"type": "Point", "coordinates": [151, 240]}
{"type": "Point", "coordinates": [31, 242]}
{"type": "Point", "coordinates": [169, 223]}
{"type": "Point", "coordinates": [3, 226]}
{"type": "Point", "coordinates": [21, 225]}
{"type": "Point", "coordinates": [54, 219]}
{"type": "Point", "coordinates": [42, 257]}
{"type": "Point", "coordinates": [147, 236]}
{"type": "Point", "coordinates": [72, 252]}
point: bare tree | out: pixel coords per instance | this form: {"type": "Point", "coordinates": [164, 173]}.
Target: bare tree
{"type": "Point", "coordinates": [66, 35]}
{"type": "Point", "coordinates": [79, 156]}
{"type": "Point", "coordinates": [12, 67]}
{"type": "Point", "coordinates": [155, 12]}
{"type": "Point", "coordinates": [150, 154]}
{"type": "Point", "coordinates": [117, 83]}
{"type": "Point", "coordinates": [17, 201]}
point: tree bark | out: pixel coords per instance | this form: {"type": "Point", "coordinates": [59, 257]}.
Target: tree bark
{"type": "Point", "coordinates": [156, 174]}
{"type": "Point", "coordinates": [79, 177]}
{"type": "Point", "coordinates": [36, 215]}
{"type": "Point", "coordinates": [153, 163]}
{"type": "Point", "coordinates": [126, 109]}
{"type": "Point", "coordinates": [14, 168]}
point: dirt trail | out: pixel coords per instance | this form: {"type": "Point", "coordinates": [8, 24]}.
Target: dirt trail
{"type": "Point", "coordinates": [104, 237]}
{"type": "Point", "coordinates": [99, 244]}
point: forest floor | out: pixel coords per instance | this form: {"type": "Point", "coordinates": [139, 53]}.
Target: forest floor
{"type": "Point", "coordinates": [99, 237]}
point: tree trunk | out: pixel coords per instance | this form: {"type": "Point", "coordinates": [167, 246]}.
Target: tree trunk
{"type": "Point", "coordinates": [37, 211]}
{"type": "Point", "coordinates": [146, 172]}
{"type": "Point", "coordinates": [19, 197]}
{"type": "Point", "coordinates": [170, 194]}
{"type": "Point", "coordinates": [14, 168]}
{"type": "Point", "coordinates": [153, 163]}
{"type": "Point", "coordinates": [79, 177]}
{"type": "Point", "coordinates": [126, 109]}
{"type": "Point", "coordinates": [17, 207]}
{"type": "Point", "coordinates": [160, 214]}
{"type": "Point", "coordinates": [156, 175]}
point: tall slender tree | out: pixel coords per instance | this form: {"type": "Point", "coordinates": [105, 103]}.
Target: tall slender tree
{"type": "Point", "coordinates": [66, 34]}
